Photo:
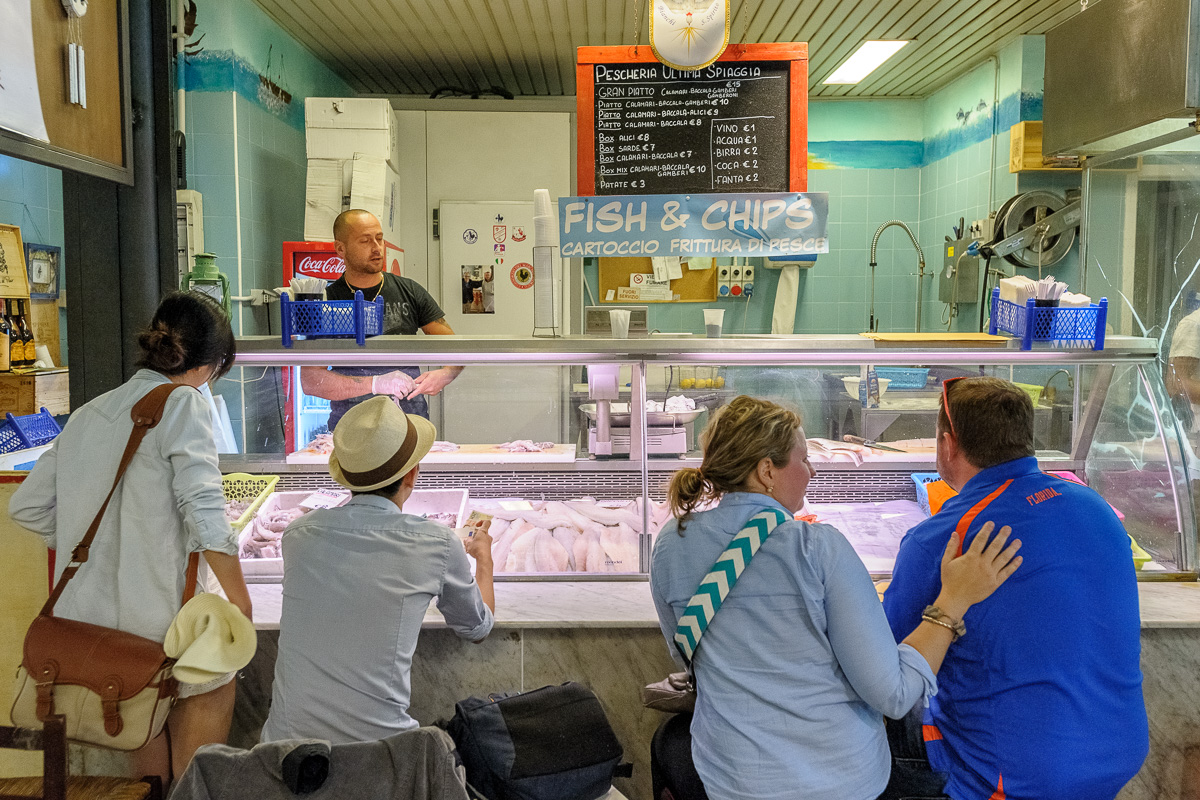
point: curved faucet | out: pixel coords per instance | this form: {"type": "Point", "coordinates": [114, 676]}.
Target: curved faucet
{"type": "Point", "coordinates": [1046, 393]}
{"type": "Point", "coordinates": [920, 268]}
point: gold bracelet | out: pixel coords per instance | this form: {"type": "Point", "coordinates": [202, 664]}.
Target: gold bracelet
{"type": "Point", "coordinates": [938, 617]}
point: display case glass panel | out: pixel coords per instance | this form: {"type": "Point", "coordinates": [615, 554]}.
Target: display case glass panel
{"type": "Point", "coordinates": [571, 443]}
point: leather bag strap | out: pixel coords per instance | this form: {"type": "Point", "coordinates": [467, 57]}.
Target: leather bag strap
{"type": "Point", "coordinates": [146, 413]}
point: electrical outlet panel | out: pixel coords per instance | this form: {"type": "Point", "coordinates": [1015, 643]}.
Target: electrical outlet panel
{"type": "Point", "coordinates": [735, 281]}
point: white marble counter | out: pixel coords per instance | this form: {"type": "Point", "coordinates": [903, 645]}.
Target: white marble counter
{"type": "Point", "coordinates": [627, 604]}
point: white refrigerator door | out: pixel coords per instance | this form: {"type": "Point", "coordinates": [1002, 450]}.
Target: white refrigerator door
{"type": "Point", "coordinates": [495, 237]}
{"type": "Point", "coordinates": [492, 404]}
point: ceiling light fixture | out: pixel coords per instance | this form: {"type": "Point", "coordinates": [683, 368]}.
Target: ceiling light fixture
{"type": "Point", "coordinates": [865, 60]}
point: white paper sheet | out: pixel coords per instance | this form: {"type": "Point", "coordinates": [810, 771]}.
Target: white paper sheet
{"type": "Point", "coordinates": [20, 103]}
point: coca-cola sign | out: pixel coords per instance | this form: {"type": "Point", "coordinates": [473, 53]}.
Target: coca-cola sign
{"type": "Point", "coordinates": [318, 265]}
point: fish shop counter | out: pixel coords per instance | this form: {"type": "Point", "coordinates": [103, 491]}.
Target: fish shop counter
{"type": "Point", "coordinates": [605, 635]}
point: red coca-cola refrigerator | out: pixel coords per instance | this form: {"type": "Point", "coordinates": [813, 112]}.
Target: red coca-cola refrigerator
{"type": "Point", "coordinates": [305, 415]}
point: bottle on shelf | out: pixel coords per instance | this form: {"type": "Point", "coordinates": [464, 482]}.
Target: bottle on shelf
{"type": "Point", "coordinates": [6, 364]}
{"type": "Point", "coordinates": [16, 342]}
{"type": "Point", "coordinates": [23, 308]}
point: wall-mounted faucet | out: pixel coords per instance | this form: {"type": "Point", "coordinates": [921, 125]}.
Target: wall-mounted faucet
{"type": "Point", "coordinates": [872, 324]}
{"type": "Point", "coordinates": [1048, 394]}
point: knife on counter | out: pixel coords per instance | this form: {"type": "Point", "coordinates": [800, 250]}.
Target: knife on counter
{"type": "Point", "coordinates": [868, 443]}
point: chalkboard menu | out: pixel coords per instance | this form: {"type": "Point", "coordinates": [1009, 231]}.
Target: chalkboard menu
{"type": "Point", "coordinates": [720, 129]}
{"type": "Point", "coordinates": [737, 125]}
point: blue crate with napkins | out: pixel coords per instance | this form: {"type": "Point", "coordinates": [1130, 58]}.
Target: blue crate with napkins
{"type": "Point", "coordinates": [1068, 327]}
{"type": "Point", "coordinates": [330, 319]}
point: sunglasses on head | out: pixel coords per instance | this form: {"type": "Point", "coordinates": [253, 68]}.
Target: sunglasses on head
{"type": "Point", "coordinates": [946, 401]}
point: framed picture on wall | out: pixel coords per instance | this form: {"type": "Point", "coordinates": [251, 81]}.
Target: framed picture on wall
{"type": "Point", "coordinates": [42, 264]}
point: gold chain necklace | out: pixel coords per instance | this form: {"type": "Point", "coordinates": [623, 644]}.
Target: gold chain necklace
{"type": "Point", "coordinates": [378, 289]}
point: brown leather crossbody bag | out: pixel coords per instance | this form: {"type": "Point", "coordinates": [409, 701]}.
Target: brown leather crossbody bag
{"type": "Point", "coordinates": [114, 688]}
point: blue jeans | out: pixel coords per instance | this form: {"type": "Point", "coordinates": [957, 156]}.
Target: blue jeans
{"type": "Point", "coordinates": [912, 777]}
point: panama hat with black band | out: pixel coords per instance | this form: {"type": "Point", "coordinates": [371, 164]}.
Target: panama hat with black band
{"type": "Point", "coordinates": [376, 444]}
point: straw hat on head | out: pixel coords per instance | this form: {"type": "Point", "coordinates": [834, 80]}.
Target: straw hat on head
{"type": "Point", "coordinates": [375, 443]}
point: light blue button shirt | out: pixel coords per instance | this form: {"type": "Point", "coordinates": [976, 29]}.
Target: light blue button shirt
{"type": "Point", "coordinates": [357, 582]}
{"type": "Point", "coordinates": [169, 504]}
{"type": "Point", "coordinates": [798, 665]}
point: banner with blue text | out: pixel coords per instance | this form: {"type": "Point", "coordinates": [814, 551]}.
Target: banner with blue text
{"type": "Point", "coordinates": [699, 225]}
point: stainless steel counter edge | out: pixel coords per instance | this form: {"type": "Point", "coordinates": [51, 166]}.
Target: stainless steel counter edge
{"type": "Point", "coordinates": [748, 350]}
{"type": "Point", "coordinates": [629, 605]}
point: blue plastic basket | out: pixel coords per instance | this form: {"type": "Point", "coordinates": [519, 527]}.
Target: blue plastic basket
{"type": "Point", "coordinates": [904, 377]}
{"type": "Point", "coordinates": [330, 319]}
{"type": "Point", "coordinates": [1062, 327]}
{"type": "Point", "coordinates": [30, 430]}
{"type": "Point", "coordinates": [920, 479]}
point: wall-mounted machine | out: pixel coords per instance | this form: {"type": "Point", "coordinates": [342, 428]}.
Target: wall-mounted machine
{"type": "Point", "coordinates": [1032, 230]}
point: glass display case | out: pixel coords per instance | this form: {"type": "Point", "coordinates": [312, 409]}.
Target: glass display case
{"type": "Point", "coordinates": [570, 443]}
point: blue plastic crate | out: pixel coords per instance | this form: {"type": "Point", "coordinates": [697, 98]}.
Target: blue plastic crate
{"type": "Point", "coordinates": [920, 479]}
{"type": "Point", "coordinates": [330, 319]}
{"type": "Point", "coordinates": [904, 377]}
{"type": "Point", "coordinates": [30, 430]}
{"type": "Point", "coordinates": [1062, 327]}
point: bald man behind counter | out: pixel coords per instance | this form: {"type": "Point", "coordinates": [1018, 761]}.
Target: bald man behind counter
{"type": "Point", "coordinates": [358, 239]}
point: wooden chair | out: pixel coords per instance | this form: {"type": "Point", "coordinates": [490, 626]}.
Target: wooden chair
{"type": "Point", "coordinates": [55, 784]}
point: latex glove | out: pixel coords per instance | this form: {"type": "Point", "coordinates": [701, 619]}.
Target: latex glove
{"type": "Point", "coordinates": [435, 380]}
{"type": "Point", "coordinates": [396, 383]}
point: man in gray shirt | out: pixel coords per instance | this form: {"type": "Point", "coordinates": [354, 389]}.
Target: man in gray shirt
{"type": "Point", "coordinates": [358, 581]}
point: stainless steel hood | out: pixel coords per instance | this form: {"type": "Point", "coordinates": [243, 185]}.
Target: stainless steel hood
{"type": "Point", "coordinates": [1117, 66]}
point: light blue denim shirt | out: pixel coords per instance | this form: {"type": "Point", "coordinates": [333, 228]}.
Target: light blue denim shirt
{"type": "Point", "coordinates": [169, 504]}
{"type": "Point", "coordinates": [797, 667]}
{"type": "Point", "coordinates": [356, 585]}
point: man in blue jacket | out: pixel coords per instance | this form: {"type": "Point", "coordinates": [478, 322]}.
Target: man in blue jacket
{"type": "Point", "coordinates": [1042, 696]}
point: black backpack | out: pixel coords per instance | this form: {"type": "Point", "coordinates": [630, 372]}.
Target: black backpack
{"type": "Point", "coordinates": [552, 743]}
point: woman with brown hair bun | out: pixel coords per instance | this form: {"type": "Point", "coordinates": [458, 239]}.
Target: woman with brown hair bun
{"type": "Point", "coordinates": [797, 666]}
{"type": "Point", "coordinates": [168, 505]}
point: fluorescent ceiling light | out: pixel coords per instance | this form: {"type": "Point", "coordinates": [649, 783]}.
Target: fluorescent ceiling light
{"type": "Point", "coordinates": [864, 61]}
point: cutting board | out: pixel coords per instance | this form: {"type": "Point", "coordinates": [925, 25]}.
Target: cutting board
{"type": "Point", "coordinates": [946, 339]}
{"type": "Point", "coordinates": [471, 454]}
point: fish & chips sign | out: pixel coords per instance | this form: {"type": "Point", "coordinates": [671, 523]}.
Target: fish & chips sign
{"type": "Point", "coordinates": [699, 225]}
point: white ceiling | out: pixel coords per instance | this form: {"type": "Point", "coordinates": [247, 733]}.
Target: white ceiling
{"type": "Point", "coordinates": [528, 46]}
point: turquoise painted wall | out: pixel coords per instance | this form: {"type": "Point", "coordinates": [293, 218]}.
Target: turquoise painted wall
{"type": "Point", "coordinates": [865, 134]}
{"type": "Point", "coordinates": [246, 155]}
{"type": "Point", "coordinates": [31, 198]}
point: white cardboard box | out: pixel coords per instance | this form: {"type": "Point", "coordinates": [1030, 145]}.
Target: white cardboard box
{"type": "Point", "coordinates": [333, 186]}
{"type": "Point", "coordinates": [326, 194]}
{"type": "Point", "coordinates": [339, 127]}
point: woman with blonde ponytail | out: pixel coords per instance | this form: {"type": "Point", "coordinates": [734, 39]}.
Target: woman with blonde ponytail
{"type": "Point", "coordinates": [168, 505]}
{"type": "Point", "coordinates": [797, 670]}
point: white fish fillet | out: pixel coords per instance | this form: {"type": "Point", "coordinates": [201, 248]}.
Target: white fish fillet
{"type": "Point", "coordinates": [607, 516]}
{"type": "Point", "coordinates": [580, 550]}
{"type": "Point", "coordinates": [578, 521]}
{"type": "Point", "coordinates": [567, 538]}
{"type": "Point", "coordinates": [621, 545]}
{"type": "Point", "coordinates": [503, 546]}
{"type": "Point", "coordinates": [548, 555]}
{"type": "Point", "coordinates": [518, 556]}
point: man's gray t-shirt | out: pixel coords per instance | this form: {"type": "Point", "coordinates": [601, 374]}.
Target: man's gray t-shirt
{"type": "Point", "coordinates": [407, 308]}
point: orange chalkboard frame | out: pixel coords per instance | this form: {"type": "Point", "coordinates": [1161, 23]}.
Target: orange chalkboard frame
{"type": "Point", "coordinates": [585, 96]}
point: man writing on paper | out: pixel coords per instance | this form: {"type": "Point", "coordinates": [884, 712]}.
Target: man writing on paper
{"type": "Point", "coordinates": [358, 239]}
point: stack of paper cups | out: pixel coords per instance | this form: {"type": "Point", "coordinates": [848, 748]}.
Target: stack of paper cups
{"type": "Point", "coordinates": [544, 225]}
{"type": "Point", "coordinates": [544, 232]}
